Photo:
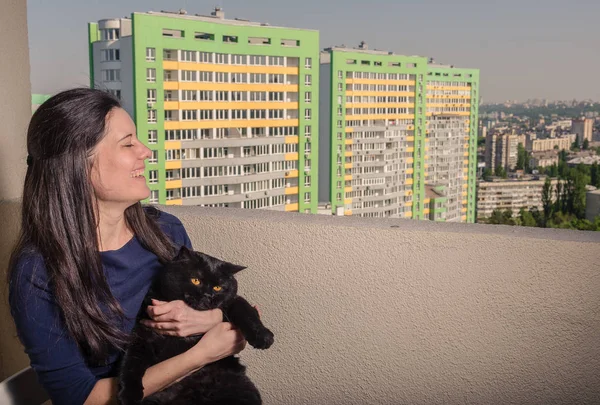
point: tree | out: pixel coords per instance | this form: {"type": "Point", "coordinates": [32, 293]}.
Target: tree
{"type": "Point", "coordinates": [496, 218]}
{"type": "Point", "coordinates": [522, 158]}
{"type": "Point", "coordinates": [507, 218]}
{"type": "Point", "coordinates": [586, 144]}
{"type": "Point", "coordinates": [575, 145]}
{"type": "Point", "coordinates": [527, 218]}
{"type": "Point", "coordinates": [595, 175]}
{"type": "Point", "coordinates": [547, 200]}
{"type": "Point", "coordinates": [486, 173]}
{"type": "Point", "coordinates": [500, 172]}
{"type": "Point", "coordinates": [558, 202]}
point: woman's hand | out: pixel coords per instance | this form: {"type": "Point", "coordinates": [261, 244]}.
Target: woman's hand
{"type": "Point", "coordinates": [175, 318]}
{"type": "Point", "coordinates": [221, 341]}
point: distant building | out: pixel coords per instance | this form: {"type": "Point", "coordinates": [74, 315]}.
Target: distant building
{"type": "Point", "coordinates": [543, 159]}
{"type": "Point", "coordinates": [592, 205]}
{"type": "Point", "coordinates": [548, 144]}
{"type": "Point", "coordinates": [228, 107]}
{"type": "Point", "coordinates": [583, 128]}
{"type": "Point", "coordinates": [510, 194]}
{"type": "Point", "coordinates": [501, 150]}
{"type": "Point", "coordinates": [37, 100]}
{"type": "Point", "coordinates": [587, 160]}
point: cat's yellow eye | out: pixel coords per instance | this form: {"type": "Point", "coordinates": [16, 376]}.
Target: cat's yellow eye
{"type": "Point", "coordinates": [217, 288]}
{"type": "Point", "coordinates": [195, 281]}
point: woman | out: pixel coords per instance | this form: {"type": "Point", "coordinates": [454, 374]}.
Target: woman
{"type": "Point", "coordinates": [88, 252]}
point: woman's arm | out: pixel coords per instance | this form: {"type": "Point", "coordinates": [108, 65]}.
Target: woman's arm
{"type": "Point", "coordinates": [156, 378]}
{"type": "Point", "coordinates": [221, 341]}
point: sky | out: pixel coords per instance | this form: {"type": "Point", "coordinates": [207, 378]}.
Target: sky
{"type": "Point", "coordinates": [524, 50]}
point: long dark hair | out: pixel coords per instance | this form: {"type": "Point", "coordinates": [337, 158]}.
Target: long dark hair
{"type": "Point", "coordinates": [59, 221]}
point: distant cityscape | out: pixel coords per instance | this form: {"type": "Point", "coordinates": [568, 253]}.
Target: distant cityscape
{"type": "Point", "coordinates": [243, 114]}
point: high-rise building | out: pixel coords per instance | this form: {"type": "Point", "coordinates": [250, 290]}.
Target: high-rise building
{"type": "Point", "coordinates": [399, 135]}
{"type": "Point", "coordinates": [501, 151]}
{"type": "Point", "coordinates": [228, 107]}
{"type": "Point", "coordinates": [583, 128]}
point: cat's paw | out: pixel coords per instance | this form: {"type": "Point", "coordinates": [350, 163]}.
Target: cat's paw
{"type": "Point", "coordinates": [262, 339]}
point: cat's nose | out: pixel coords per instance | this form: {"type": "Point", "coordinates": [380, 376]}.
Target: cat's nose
{"type": "Point", "coordinates": [207, 295]}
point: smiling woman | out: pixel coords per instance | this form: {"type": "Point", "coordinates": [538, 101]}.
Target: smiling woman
{"type": "Point", "coordinates": [88, 252]}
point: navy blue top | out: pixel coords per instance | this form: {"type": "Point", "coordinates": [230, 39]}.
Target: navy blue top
{"type": "Point", "coordinates": [61, 367]}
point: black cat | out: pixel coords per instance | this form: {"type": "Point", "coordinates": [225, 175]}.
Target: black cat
{"type": "Point", "coordinates": [202, 282]}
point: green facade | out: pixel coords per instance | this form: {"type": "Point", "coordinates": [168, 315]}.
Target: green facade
{"type": "Point", "coordinates": [339, 63]}
{"type": "Point", "coordinates": [424, 73]}
{"type": "Point", "coordinates": [147, 32]}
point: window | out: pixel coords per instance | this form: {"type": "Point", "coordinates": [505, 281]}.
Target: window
{"type": "Point", "coordinates": [290, 42]}
{"type": "Point", "coordinates": [111, 75]}
{"type": "Point", "coordinates": [230, 39]}
{"type": "Point", "coordinates": [307, 114]}
{"type": "Point", "coordinates": [306, 197]}
{"type": "Point", "coordinates": [340, 74]}
{"type": "Point", "coordinates": [276, 61]}
{"type": "Point", "coordinates": [109, 55]}
{"type": "Point", "coordinates": [151, 96]}
{"type": "Point", "coordinates": [189, 95]}
{"type": "Point", "coordinates": [154, 196]}
{"type": "Point", "coordinates": [151, 75]}
{"type": "Point", "coordinates": [257, 60]}
{"type": "Point", "coordinates": [150, 54]}
{"type": "Point", "coordinates": [307, 181]}
{"type": "Point", "coordinates": [308, 80]}
{"type": "Point", "coordinates": [153, 176]}
{"type": "Point", "coordinates": [173, 33]}
{"type": "Point", "coordinates": [340, 87]}
{"type": "Point", "coordinates": [151, 116]}
{"type": "Point", "coordinates": [110, 34]}
{"type": "Point", "coordinates": [307, 130]}
{"type": "Point", "coordinates": [308, 97]}
{"type": "Point", "coordinates": [238, 59]}
{"type": "Point", "coordinates": [153, 136]}
{"type": "Point", "coordinates": [239, 78]}
{"type": "Point", "coordinates": [116, 93]}
{"type": "Point", "coordinates": [188, 56]}
{"type": "Point", "coordinates": [204, 36]}
{"type": "Point", "coordinates": [154, 157]}
{"type": "Point", "coordinates": [222, 58]}
{"type": "Point", "coordinates": [308, 63]}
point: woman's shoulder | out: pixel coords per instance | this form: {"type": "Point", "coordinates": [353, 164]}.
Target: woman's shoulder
{"type": "Point", "coordinates": [29, 270]}
{"type": "Point", "coordinates": [169, 224]}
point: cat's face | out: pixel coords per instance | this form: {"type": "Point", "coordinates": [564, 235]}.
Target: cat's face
{"type": "Point", "coordinates": [201, 281]}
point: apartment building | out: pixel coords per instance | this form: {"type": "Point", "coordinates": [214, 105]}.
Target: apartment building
{"type": "Point", "coordinates": [549, 144]}
{"type": "Point", "coordinates": [501, 150]}
{"type": "Point", "coordinates": [394, 127]}
{"type": "Point", "coordinates": [511, 194]}
{"type": "Point", "coordinates": [584, 129]}
{"type": "Point", "coordinates": [228, 107]}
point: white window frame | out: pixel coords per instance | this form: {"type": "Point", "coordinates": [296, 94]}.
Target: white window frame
{"type": "Point", "coordinates": [150, 54]}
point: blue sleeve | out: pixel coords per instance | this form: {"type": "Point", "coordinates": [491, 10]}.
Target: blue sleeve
{"type": "Point", "coordinates": [54, 355]}
{"type": "Point", "coordinates": [174, 229]}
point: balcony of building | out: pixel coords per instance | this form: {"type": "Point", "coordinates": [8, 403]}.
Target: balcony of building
{"type": "Point", "coordinates": [372, 311]}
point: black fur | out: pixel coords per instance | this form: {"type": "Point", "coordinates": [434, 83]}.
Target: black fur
{"type": "Point", "coordinates": [222, 382]}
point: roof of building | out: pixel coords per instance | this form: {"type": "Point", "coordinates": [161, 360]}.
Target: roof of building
{"type": "Point", "coordinates": [588, 160]}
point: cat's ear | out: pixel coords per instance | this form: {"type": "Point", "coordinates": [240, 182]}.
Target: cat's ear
{"type": "Point", "coordinates": [232, 269]}
{"type": "Point", "coordinates": [183, 254]}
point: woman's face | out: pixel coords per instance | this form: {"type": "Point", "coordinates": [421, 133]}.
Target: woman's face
{"type": "Point", "coordinates": [117, 173]}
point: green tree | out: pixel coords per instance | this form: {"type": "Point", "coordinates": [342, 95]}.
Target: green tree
{"type": "Point", "coordinates": [547, 199]}
{"type": "Point", "coordinates": [595, 175]}
{"type": "Point", "coordinates": [521, 154]}
{"type": "Point", "coordinates": [579, 192]}
{"type": "Point", "coordinates": [526, 218]}
{"type": "Point", "coordinates": [507, 218]}
{"type": "Point", "coordinates": [500, 172]}
{"type": "Point", "coordinates": [496, 218]}
{"type": "Point", "coordinates": [538, 217]}
{"type": "Point", "coordinates": [558, 200]}
{"type": "Point", "coordinates": [575, 145]}
{"type": "Point", "coordinates": [586, 144]}
{"type": "Point", "coordinates": [486, 173]}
